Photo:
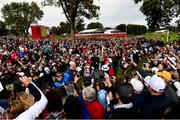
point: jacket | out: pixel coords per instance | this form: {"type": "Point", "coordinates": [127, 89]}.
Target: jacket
{"type": "Point", "coordinates": [37, 107]}
{"type": "Point", "coordinates": [95, 109]}
{"type": "Point", "coordinates": [124, 111]}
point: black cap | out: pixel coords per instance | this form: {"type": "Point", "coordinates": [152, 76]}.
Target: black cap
{"type": "Point", "coordinates": [125, 92]}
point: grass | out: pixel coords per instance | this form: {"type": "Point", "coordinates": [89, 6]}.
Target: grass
{"type": "Point", "coordinates": [162, 36]}
{"type": "Point", "coordinates": [58, 37]}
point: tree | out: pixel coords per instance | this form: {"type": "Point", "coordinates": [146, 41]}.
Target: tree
{"type": "Point", "coordinates": [107, 28]}
{"type": "Point", "coordinates": [3, 30]}
{"type": "Point", "coordinates": [64, 27]}
{"type": "Point", "coordinates": [172, 28]}
{"type": "Point", "coordinates": [136, 29]}
{"type": "Point", "coordinates": [19, 16]}
{"type": "Point", "coordinates": [75, 10]}
{"type": "Point", "coordinates": [121, 27]}
{"type": "Point", "coordinates": [158, 12]}
{"type": "Point", "coordinates": [54, 30]}
{"type": "Point", "coordinates": [176, 7]}
{"type": "Point", "coordinates": [94, 25]}
{"type": "Point", "coordinates": [178, 25]}
{"type": "Point", "coordinates": [80, 25]}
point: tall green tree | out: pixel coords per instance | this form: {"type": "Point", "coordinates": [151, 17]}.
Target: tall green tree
{"type": "Point", "coordinates": [158, 12]}
{"type": "Point", "coordinates": [94, 25]}
{"type": "Point", "coordinates": [19, 16]}
{"type": "Point", "coordinates": [64, 27]}
{"type": "Point", "coordinates": [75, 10]}
{"type": "Point", "coordinates": [121, 27]}
{"type": "Point", "coordinates": [136, 29]}
{"type": "Point", "coordinates": [80, 25]}
{"type": "Point", "coordinates": [178, 25]}
{"type": "Point", "coordinates": [176, 7]}
{"type": "Point", "coordinates": [3, 30]}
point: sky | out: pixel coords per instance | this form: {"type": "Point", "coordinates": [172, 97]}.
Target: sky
{"type": "Point", "coordinates": [112, 13]}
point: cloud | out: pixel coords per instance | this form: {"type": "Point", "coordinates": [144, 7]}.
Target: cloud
{"type": "Point", "coordinates": [112, 13]}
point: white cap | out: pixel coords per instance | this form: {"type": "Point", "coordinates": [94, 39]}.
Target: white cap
{"type": "Point", "coordinates": [78, 69]}
{"type": "Point", "coordinates": [157, 83]}
{"type": "Point", "coordinates": [155, 69]}
{"type": "Point", "coordinates": [146, 79]}
{"type": "Point", "coordinates": [110, 60]}
{"type": "Point", "coordinates": [137, 85]}
{"type": "Point", "coordinates": [47, 70]}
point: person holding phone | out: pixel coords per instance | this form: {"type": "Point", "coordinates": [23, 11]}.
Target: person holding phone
{"type": "Point", "coordinates": [18, 109]}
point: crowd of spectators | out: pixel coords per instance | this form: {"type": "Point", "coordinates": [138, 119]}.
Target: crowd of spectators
{"type": "Point", "coordinates": [80, 80]}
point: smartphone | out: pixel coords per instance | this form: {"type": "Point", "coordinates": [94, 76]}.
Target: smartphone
{"type": "Point", "coordinates": [70, 89]}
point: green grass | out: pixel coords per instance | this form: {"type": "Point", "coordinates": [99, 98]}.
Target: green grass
{"type": "Point", "coordinates": [158, 36]}
{"type": "Point", "coordinates": [58, 37]}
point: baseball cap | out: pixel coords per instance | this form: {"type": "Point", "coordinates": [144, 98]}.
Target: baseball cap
{"type": "Point", "coordinates": [164, 74]}
{"type": "Point", "coordinates": [125, 92]}
{"type": "Point", "coordinates": [157, 83]}
{"type": "Point", "coordinates": [137, 85]}
{"type": "Point", "coordinates": [155, 69]}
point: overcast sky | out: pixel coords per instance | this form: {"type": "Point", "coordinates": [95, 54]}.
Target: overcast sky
{"type": "Point", "coordinates": [112, 13]}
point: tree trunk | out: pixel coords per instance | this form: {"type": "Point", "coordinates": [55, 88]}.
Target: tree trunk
{"type": "Point", "coordinates": [72, 32]}
{"type": "Point", "coordinates": [25, 34]}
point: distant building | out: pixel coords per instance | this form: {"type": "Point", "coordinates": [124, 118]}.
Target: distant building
{"type": "Point", "coordinates": [101, 32]}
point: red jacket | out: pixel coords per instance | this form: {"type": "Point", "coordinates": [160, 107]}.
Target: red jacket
{"type": "Point", "coordinates": [111, 71]}
{"type": "Point", "coordinates": [95, 110]}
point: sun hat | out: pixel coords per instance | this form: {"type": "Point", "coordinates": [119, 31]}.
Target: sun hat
{"type": "Point", "coordinates": [105, 67]}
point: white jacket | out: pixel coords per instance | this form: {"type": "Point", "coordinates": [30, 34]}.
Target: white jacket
{"type": "Point", "coordinates": [35, 109]}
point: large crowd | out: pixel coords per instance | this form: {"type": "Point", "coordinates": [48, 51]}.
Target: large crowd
{"type": "Point", "coordinates": [81, 80]}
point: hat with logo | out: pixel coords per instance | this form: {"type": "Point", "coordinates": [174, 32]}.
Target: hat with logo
{"type": "Point", "coordinates": [156, 83]}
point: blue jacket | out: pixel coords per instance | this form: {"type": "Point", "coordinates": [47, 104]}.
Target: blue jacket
{"type": "Point", "coordinates": [68, 77]}
{"type": "Point", "coordinates": [85, 113]}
